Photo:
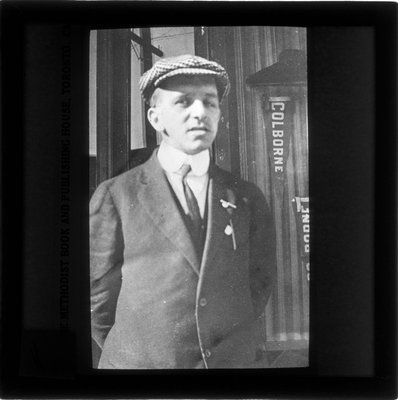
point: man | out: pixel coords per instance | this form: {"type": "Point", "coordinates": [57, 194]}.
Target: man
{"type": "Point", "coordinates": [182, 253]}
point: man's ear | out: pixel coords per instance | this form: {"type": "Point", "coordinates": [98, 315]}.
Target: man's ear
{"type": "Point", "coordinates": [154, 119]}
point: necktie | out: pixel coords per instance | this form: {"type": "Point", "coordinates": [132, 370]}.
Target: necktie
{"type": "Point", "coordinates": [197, 228]}
{"type": "Point", "coordinates": [190, 198]}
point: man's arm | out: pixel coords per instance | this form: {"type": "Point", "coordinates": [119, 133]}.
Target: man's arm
{"type": "Point", "coordinates": [106, 258]}
{"type": "Point", "coordinates": [262, 252]}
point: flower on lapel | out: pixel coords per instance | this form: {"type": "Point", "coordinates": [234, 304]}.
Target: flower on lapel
{"type": "Point", "coordinates": [229, 229]}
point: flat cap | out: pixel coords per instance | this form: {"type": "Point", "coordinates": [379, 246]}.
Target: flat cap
{"type": "Point", "coordinates": [183, 65]}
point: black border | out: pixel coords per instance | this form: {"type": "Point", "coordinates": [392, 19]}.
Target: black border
{"type": "Point", "coordinates": [333, 297]}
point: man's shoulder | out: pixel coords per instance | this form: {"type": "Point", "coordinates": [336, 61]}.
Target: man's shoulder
{"type": "Point", "coordinates": [126, 183]}
{"type": "Point", "coordinates": [118, 182]}
{"type": "Point", "coordinates": [132, 175]}
{"type": "Point", "coordinates": [235, 182]}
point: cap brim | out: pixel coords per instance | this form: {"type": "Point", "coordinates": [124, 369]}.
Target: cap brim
{"type": "Point", "coordinates": [222, 81]}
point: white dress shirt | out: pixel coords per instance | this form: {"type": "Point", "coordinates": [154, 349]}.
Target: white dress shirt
{"type": "Point", "coordinates": [171, 160]}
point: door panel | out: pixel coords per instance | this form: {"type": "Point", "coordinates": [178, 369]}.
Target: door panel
{"type": "Point", "coordinates": [242, 147]}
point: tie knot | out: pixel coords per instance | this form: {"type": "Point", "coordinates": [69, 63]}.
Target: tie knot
{"type": "Point", "coordinates": [184, 170]}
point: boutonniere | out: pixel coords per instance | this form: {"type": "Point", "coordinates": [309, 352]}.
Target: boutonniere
{"type": "Point", "coordinates": [229, 229]}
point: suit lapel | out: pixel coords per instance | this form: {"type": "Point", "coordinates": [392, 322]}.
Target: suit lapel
{"type": "Point", "coordinates": [157, 200]}
{"type": "Point", "coordinates": [220, 217]}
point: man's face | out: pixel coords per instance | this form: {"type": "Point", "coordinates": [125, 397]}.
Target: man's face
{"type": "Point", "coordinates": [186, 111]}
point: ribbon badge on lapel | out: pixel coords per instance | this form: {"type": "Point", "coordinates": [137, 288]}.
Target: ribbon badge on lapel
{"type": "Point", "coordinates": [229, 229]}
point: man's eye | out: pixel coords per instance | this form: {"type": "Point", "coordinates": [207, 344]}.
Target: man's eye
{"type": "Point", "coordinates": [182, 102]}
{"type": "Point", "coordinates": [210, 103]}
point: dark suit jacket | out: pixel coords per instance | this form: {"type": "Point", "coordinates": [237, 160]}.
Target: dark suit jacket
{"type": "Point", "coordinates": [154, 303]}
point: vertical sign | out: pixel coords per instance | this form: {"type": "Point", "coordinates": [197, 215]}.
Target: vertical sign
{"type": "Point", "coordinates": [303, 227]}
{"type": "Point", "coordinates": [278, 118]}
{"type": "Point", "coordinates": [279, 125]}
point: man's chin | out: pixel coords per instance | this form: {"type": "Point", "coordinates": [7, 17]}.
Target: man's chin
{"type": "Point", "coordinates": [196, 148]}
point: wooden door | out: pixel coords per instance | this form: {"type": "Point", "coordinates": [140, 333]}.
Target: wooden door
{"type": "Point", "coordinates": [242, 147]}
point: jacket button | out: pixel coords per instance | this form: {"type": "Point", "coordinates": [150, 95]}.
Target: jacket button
{"type": "Point", "coordinates": [202, 301]}
{"type": "Point", "coordinates": [207, 353]}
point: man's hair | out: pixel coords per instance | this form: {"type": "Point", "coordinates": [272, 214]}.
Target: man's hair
{"type": "Point", "coordinates": [154, 98]}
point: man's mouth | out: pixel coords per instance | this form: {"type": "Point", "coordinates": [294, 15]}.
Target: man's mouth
{"type": "Point", "coordinates": [198, 129]}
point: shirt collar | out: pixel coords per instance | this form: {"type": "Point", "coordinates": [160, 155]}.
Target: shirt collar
{"type": "Point", "coordinates": [172, 159]}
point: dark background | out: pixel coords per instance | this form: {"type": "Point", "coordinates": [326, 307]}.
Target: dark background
{"type": "Point", "coordinates": [352, 125]}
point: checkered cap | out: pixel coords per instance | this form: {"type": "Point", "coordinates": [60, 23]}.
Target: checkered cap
{"type": "Point", "coordinates": [183, 65]}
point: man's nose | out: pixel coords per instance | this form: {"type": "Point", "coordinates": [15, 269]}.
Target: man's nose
{"type": "Point", "coordinates": [198, 109]}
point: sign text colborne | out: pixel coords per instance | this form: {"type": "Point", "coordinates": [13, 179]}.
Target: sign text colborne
{"type": "Point", "coordinates": [277, 122]}
{"type": "Point", "coordinates": [278, 115]}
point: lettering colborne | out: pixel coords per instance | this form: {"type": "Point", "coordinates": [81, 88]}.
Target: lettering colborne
{"type": "Point", "coordinates": [277, 118]}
